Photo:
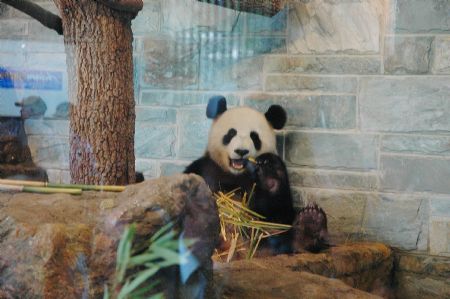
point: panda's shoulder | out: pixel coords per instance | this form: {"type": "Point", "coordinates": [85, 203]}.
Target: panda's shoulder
{"type": "Point", "coordinates": [198, 166]}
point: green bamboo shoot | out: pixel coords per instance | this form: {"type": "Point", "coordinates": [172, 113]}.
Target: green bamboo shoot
{"type": "Point", "coordinates": [64, 186]}
{"type": "Point", "coordinates": [44, 190]}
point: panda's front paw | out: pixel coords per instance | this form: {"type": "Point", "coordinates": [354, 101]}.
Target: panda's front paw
{"type": "Point", "coordinates": [310, 231]}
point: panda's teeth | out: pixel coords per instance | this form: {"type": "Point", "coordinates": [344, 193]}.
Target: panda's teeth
{"type": "Point", "coordinates": [237, 164]}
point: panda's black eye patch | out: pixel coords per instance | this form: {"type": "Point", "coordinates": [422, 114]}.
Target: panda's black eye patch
{"type": "Point", "coordinates": [256, 141]}
{"type": "Point", "coordinates": [227, 138]}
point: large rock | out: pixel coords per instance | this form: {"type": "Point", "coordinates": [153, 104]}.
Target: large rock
{"type": "Point", "coordinates": [363, 266]}
{"type": "Point", "coordinates": [62, 246]}
{"type": "Point", "coordinates": [422, 276]}
{"type": "Point", "coordinates": [260, 283]}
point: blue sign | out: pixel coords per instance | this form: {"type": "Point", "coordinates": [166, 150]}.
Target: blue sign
{"type": "Point", "coordinates": [30, 79]}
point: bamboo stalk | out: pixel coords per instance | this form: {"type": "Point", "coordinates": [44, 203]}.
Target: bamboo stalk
{"type": "Point", "coordinates": [89, 187]}
{"type": "Point", "coordinates": [11, 188]}
{"type": "Point", "coordinates": [48, 190]}
{"type": "Point", "coordinates": [237, 219]}
{"type": "Point", "coordinates": [271, 224]}
{"type": "Point", "coordinates": [44, 190]}
{"type": "Point", "coordinates": [64, 186]}
{"type": "Point", "coordinates": [22, 183]}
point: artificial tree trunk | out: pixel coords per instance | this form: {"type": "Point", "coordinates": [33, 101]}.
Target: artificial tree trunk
{"type": "Point", "coordinates": [98, 42]}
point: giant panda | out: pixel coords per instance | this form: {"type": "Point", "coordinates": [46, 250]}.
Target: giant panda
{"type": "Point", "coordinates": [235, 135]}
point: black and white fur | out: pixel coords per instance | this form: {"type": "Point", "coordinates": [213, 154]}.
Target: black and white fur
{"type": "Point", "coordinates": [272, 199]}
{"type": "Point", "coordinates": [235, 135]}
{"type": "Point", "coordinates": [238, 134]}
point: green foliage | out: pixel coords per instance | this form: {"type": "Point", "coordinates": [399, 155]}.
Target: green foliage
{"type": "Point", "coordinates": [135, 272]}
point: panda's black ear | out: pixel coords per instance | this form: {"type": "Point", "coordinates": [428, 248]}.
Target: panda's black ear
{"type": "Point", "coordinates": [216, 106]}
{"type": "Point", "coordinates": [276, 116]}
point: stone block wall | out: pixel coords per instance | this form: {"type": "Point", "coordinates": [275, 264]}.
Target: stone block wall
{"type": "Point", "coordinates": [366, 85]}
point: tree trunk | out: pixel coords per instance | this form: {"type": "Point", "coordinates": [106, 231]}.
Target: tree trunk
{"type": "Point", "coordinates": [98, 44]}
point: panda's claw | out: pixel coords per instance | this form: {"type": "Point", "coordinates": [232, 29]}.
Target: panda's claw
{"type": "Point", "coordinates": [310, 231]}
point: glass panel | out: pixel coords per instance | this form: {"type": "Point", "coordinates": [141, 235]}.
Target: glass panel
{"type": "Point", "coordinates": [335, 133]}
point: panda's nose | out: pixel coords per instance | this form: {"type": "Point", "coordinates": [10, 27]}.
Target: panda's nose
{"type": "Point", "coordinates": [241, 152]}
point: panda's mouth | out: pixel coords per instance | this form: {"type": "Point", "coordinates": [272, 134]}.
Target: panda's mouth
{"type": "Point", "coordinates": [237, 164]}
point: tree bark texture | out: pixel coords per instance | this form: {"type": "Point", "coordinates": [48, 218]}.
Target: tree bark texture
{"type": "Point", "coordinates": [267, 8]}
{"type": "Point", "coordinates": [98, 44]}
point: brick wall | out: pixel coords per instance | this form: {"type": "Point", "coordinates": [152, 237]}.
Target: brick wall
{"type": "Point", "coordinates": [366, 85]}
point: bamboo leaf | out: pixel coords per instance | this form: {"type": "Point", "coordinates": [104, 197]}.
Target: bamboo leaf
{"type": "Point", "coordinates": [255, 246]}
{"type": "Point", "coordinates": [122, 294]}
{"type": "Point", "coordinates": [167, 254]}
{"type": "Point", "coordinates": [167, 236]}
{"type": "Point", "coordinates": [142, 258]}
{"type": "Point", "coordinates": [142, 291]}
{"type": "Point", "coordinates": [169, 244]}
{"type": "Point", "coordinates": [162, 251]}
{"type": "Point", "coordinates": [271, 224]}
{"type": "Point", "coordinates": [140, 278]}
{"type": "Point", "coordinates": [157, 296]}
{"type": "Point", "coordinates": [164, 264]}
{"type": "Point", "coordinates": [237, 218]}
{"type": "Point", "coordinates": [232, 247]}
{"type": "Point", "coordinates": [188, 242]}
{"type": "Point", "coordinates": [105, 292]}
{"type": "Point", "coordinates": [123, 251]}
{"type": "Point", "coordinates": [163, 230]}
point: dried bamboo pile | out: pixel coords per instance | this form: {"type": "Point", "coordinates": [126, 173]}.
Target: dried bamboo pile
{"type": "Point", "coordinates": [242, 229]}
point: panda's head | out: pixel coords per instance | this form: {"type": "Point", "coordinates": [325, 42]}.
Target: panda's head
{"type": "Point", "coordinates": [241, 132]}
